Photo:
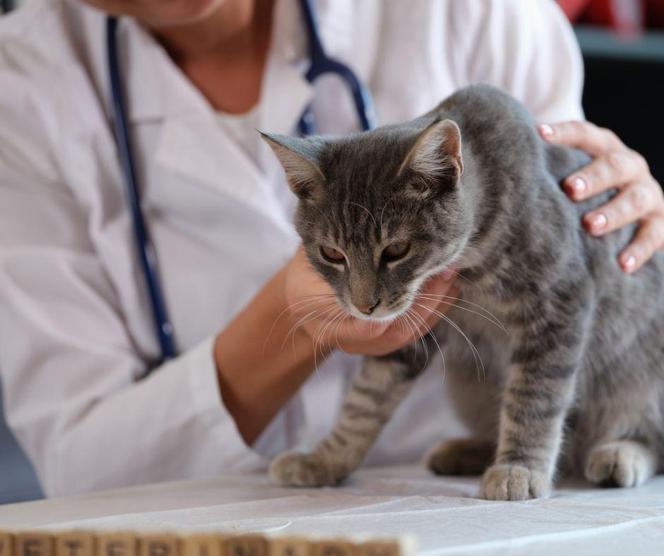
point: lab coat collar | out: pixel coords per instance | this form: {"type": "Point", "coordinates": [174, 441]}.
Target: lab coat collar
{"type": "Point", "coordinates": [156, 88]}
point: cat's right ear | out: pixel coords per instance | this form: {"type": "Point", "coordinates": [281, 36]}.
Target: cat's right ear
{"type": "Point", "coordinates": [299, 158]}
{"type": "Point", "coordinates": [435, 157]}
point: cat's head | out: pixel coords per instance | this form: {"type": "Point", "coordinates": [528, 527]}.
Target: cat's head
{"type": "Point", "coordinates": [378, 212]}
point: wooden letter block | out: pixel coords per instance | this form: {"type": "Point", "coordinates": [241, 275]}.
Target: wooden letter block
{"type": "Point", "coordinates": [6, 543]}
{"type": "Point", "coordinates": [158, 545]}
{"type": "Point", "coordinates": [334, 547]}
{"type": "Point", "coordinates": [74, 544]}
{"type": "Point", "coordinates": [201, 545]}
{"type": "Point", "coordinates": [245, 545]}
{"type": "Point", "coordinates": [33, 544]}
{"type": "Point", "coordinates": [116, 544]}
{"type": "Point", "coordinates": [289, 546]}
{"type": "Point", "coordinates": [380, 548]}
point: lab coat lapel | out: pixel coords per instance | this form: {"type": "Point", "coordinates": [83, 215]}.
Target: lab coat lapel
{"type": "Point", "coordinates": [191, 142]}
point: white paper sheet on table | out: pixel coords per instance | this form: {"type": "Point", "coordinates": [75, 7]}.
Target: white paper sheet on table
{"type": "Point", "coordinates": [441, 513]}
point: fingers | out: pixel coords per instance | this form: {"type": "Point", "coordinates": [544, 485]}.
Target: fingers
{"type": "Point", "coordinates": [649, 239]}
{"type": "Point", "coordinates": [631, 204]}
{"type": "Point", "coordinates": [610, 170]}
{"type": "Point", "coordinates": [581, 135]}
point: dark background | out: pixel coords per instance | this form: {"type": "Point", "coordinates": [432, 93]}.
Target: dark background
{"type": "Point", "coordinates": [624, 92]}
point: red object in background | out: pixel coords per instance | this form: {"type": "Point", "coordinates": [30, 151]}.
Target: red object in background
{"type": "Point", "coordinates": [655, 13]}
{"type": "Point", "coordinates": [624, 16]}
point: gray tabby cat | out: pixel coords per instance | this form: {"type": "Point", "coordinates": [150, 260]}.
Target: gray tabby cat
{"type": "Point", "coordinates": [470, 185]}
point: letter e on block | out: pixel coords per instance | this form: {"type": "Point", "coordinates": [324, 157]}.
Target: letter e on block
{"type": "Point", "coordinates": [34, 544]}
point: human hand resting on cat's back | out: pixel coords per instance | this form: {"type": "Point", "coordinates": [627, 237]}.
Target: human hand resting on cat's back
{"type": "Point", "coordinates": [313, 308]}
{"type": "Point", "coordinates": [615, 166]}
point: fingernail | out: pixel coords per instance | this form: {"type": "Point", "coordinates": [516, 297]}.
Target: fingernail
{"type": "Point", "coordinates": [597, 222]}
{"type": "Point", "coordinates": [577, 185]}
{"type": "Point", "coordinates": [546, 131]}
{"type": "Point", "coordinates": [628, 262]}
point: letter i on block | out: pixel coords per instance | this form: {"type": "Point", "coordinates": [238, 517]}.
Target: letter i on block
{"type": "Point", "coordinates": [6, 543]}
{"type": "Point", "coordinates": [202, 545]}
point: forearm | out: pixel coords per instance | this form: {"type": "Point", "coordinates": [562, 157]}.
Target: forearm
{"type": "Point", "coordinates": [262, 359]}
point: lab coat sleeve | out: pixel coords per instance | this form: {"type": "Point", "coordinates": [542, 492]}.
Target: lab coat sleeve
{"type": "Point", "coordinates": [527, 48]}
{"type": "Point", "coordinates": [67, 362]}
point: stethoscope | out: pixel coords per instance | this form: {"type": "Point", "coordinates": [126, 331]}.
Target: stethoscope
{"type": "Point", "coordinates": [320, 64]}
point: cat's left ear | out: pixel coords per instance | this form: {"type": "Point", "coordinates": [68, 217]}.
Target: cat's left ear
{"type": "Point", "coordinates": [436, 154]}
{"type": "Point", "coordinates": [299, 158]}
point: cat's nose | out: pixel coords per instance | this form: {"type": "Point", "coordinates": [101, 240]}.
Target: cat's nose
{"type": "Point", "coordinates": [367, 308]}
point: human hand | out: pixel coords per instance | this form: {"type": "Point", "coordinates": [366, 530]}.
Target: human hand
{"type": "Point", "coordinates": [639, 197]}
{"type": "Point", "coordinates": [312, 307]}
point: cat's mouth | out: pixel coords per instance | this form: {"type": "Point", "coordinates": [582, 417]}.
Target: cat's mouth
{"type": "Point", "coordinates": [384, 312]}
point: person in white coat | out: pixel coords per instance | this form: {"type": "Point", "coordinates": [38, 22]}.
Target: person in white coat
{"type": "Point", "coordinates": [76, 332]}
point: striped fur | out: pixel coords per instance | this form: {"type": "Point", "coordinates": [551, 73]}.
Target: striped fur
{"type": "Point", "coordinates": [571, 349]}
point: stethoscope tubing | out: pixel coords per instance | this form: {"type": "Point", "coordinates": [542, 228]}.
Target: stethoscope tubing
{"type": "Point", "coordinates": [144, 246]}
{"type": "Point", "coordinates": [320, 64]}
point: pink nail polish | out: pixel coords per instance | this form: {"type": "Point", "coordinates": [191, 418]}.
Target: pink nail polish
{"type": "Point", "coordinates": [546, 130]}
{"type": "Point", "coordinates": [629, 263]}
{"type": "Point", "coordinates": [598, 221]}
{"type": "Point", "coordinates": [579, 185]}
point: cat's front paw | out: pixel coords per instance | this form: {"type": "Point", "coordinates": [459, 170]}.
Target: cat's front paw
{"type": "Point", "coordinates": [302, 470]}
{"type": "Point", "coordinates": [514, 482]}
{"type": "Point", "coordinates": [623, 463]}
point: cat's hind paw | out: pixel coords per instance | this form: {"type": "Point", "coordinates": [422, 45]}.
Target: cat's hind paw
{"type": "Point", "coordinates": [623, 463]}
{"type": "Point", "coordinates": [302, 470]}
{"type": "Point", "coordinates": [514, 482]}
{"type": "Point", "coordinates": [461, 456]}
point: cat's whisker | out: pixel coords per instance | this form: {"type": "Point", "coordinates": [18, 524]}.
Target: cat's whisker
{"type": "Point", "coordinates": [475, 352]}
{"type": "Point", "coordinates": [320, 335]}
{"type": "Point", "coordinates": [336, 332]}
{"type": "Point", "coordinates": [365, 209]}
{"type": "Point", "coordinates": [431, 334]}
{"type": "Point", "coordinates": [415, 331]}
{"type": "Point", "coordinates": [463, 300]}
{"type": "Point", "coordinates": [456, 304]}
{"type": "Point", "coordinates": [316, 313]}
{"type": "Point", "coordinates": [292, 308]}
{"type": "Point", "coordinates": [382, 212]}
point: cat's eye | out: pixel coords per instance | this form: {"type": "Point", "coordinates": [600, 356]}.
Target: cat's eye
{"type": "Point", "coordinates": [332, 255]}
{"type": "Point", "coordinates": [395, 251]}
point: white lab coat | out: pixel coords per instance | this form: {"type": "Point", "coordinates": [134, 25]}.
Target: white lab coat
{"type": "Point", "coordinates": [75, 326]}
